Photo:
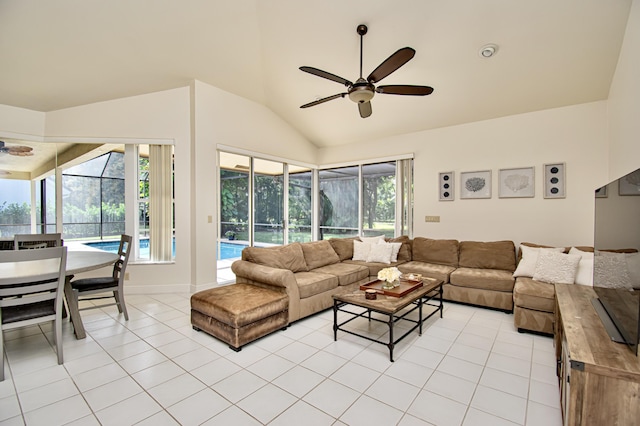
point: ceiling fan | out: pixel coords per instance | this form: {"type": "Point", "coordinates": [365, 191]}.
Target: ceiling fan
{"type": "Point", "coordinates": [362, 91]}
{"type": "Point", "coordinates": [18, 150]}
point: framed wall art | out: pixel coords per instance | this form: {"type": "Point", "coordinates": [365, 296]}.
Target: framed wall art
{"type": "Point", "coordinates": [475, 184]}
{"type": "Point", "coordinates": [629, 184]}
{"type": "Point", "coordinates": [516, 183]}
{"type": "Point", "coordinates": [446, 188]}
{"type": "Point", "coordinates": [554, 180]}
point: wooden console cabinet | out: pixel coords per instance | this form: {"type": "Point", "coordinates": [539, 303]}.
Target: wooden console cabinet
{"type": "Point", "coordinates": [599, 379]}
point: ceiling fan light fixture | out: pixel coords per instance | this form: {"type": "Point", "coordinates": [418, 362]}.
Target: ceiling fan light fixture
{"type": "Point", "coordinates": [488, 50]}
{"type": "Point", "coordinates": [361, 94]}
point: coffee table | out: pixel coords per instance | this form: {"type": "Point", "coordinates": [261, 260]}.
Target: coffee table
{"type": "Point", "coordinates": [394, 308]}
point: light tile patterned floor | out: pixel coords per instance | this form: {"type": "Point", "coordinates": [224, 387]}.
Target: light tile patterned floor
{"type": "Point", "coordinates": [469, 368]}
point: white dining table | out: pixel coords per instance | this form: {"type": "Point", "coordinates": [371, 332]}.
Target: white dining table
{"type": "Point", "coordinates": [79, 259]}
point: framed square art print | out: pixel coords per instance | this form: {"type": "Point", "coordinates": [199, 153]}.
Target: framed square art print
{"type": "Point", "coordinates": [516, 183]}
{"type": "Point", "coordinates": [475, 184]}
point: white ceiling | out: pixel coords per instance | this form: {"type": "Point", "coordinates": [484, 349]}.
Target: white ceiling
{"type": "Point", "coordinates": [63, 53]}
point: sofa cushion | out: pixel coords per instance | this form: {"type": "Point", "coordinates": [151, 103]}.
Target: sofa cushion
{"type": "Point", "coordinates": [289, 257]}
{"type": "Point", "coordinates": [531, 294]}
{"type": "Point", "coordinates": [343, 247]}
{"type": "Point", "coordinates": [312, 283]}
{"type": "Point", "coordinates": [486, 279]}
{"type": "Point", "coordinates": [441, 252]}
{"type": "Point", "coordinates": [488, 255]}
{"type": "Point", "coordinates": [318, 254]}
{"type": "Point", "coordinates": [347, 273]}
{"type": "Point", "coordinates": [430, 270]}
{"type": "Point", "coordinates": [404, 254]}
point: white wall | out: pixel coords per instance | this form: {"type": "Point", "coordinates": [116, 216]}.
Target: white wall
{"type": "Point", "coordinates": [146, 118]}
{"type": "Point", "coordinates": [624, 103]}
{"type": "Point", "coordinates": [575, 135]}
{"type": "Point", "coordinates": [21, 123]}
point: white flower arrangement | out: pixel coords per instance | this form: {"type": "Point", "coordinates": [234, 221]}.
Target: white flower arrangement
{"type": "Point", "coordinates": [389, 274]}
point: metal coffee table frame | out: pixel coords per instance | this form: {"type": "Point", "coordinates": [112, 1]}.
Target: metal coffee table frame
{"type": "Point", "coordinates": [418, 298]}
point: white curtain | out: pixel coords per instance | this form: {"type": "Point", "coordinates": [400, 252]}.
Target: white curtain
{"type": "Point", "coordinates": [160, 203]}
{"type": "Point", "coordinates": [404, 189]}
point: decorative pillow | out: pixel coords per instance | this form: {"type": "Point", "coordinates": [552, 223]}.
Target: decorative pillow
{"type": "Point", "coordinates": [373, 240]}
{"type": "Point", "coordinates": [554, 267]}
{"type": "Point", "coordinates": [633, 266]}
{"type": "Point", "coordinates": [584, 276]}
{"type": "Point", "coordinates": [405, 249]}
{"type": "Point", "coordinates": [611, 272]}
{"type": "Point", "coordinates": [361, 250]}
{"type": "Point", "coordinates": [380, 253]}
{"type": "Point", "coordinates": [527, 265]}
{"type": "Point", "coordinates": [395, 249]}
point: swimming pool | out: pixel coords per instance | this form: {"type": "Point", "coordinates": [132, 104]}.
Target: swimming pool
{"type": "Point", "coordinates": [225, 250]}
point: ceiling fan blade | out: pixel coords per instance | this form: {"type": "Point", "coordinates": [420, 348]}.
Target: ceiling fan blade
{"type": "Point", "coordinates": [405, 89]}
{"type": "Point", "coordinates": [392, 63]}
{"type": "Point", "coordinates": [323, 100]}
{"type": "Point", "coordinates": [327, 75]}
{"type": "Point", "coordinates": [365, 109]}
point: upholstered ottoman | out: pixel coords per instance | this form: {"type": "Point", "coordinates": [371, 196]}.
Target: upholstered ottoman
{"type": "Point", "coordinates": [239, 313]}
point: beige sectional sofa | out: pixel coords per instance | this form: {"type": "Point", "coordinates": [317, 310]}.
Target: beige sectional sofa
{"type": "Point", "coordinates": [310, 274]}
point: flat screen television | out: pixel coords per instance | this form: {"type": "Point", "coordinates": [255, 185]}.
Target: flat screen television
{"type": "Point", "coordinates": [616, 280]}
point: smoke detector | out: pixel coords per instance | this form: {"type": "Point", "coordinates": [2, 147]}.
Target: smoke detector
{"type": "Point", "coordinates": [488, 50]}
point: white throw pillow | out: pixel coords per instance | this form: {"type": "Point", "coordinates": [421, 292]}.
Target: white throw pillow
{"type": "Point", "coordinates": [554, 267]}
{"type": "Point", "coordinates": [361, 250]}
{"type": "Point", "coordinates": [527, 265]}
{"type": "Point", "coordinates": [373, 240]}
{"type": "Point", "coordinates": [633, 266]}
{"type": "Point", "coordinates": [584, 276]}
{"type": "Point", "coordinates": [611, 271]}
{"type": "Point", "coordinates": [380, 253]}
{"type": "Point", "coordinates": [395, 250]}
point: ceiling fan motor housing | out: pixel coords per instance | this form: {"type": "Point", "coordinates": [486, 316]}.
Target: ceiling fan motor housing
{"type": "Point", "coordinates": [361, 91]}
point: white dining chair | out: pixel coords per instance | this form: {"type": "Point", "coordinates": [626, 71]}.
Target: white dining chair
{"type": "Point", "coordinates": [36, 241]}
{"type": "Point", "coordinates": [31, 292]}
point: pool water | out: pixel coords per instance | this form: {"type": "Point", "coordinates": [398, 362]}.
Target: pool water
{"type": "Point", "coordinates": [225, 250]}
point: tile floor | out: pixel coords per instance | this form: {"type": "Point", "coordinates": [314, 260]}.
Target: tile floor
{"type": "Point", "coordinates": [470, 368]}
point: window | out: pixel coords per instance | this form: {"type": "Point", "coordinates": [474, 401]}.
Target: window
{"type": "Point", "coordinates": [338, 202]}
{"type": "Point", "coordinates": [15, 207]}
{"type": "Point", "coordinates": [379, 199]}
{"type": "Point", "coordinates": [93, 198]}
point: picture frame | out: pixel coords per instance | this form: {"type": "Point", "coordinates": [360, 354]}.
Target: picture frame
{"type": "Point", "coordinates": [475, 185]}
{"type": "Point", "coordinates": [602, 192]}
{"type": "Point", "coordinates": [517, 183]}
{"type": "Point", "coordinates": [629, 184]}
{"type": "Point", "coordinates": [446, 186]}
{"type": "Point", "coordinates": [554, 180]}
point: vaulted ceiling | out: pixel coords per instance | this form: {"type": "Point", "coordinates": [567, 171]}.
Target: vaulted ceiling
{"type": "Point", "coordinates": [64, 53]}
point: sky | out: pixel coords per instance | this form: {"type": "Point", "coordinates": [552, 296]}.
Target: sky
{"type": "Point", "coordinates": [15, 191]}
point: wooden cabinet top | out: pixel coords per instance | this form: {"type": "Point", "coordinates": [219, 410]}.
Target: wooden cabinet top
{"type": "Point", "coordinates": [587, 339]}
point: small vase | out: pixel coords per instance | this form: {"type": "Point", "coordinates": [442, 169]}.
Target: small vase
{"type": "Point", "coordinates": [388, 285]}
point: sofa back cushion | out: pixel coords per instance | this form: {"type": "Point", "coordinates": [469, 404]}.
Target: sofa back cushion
{"type": "Point", "coordinates": [319, 253]}
{"type": "Point", "coordinates": [441, 252]}
{"type": "Point", "coordinates": [488, 255]}
{"type": "Point", "coordinates": [404, 255]}
{"type": "Point", "coordinates": [288, 257]}
{"type": "Point", "coordinates": [343, 247]}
